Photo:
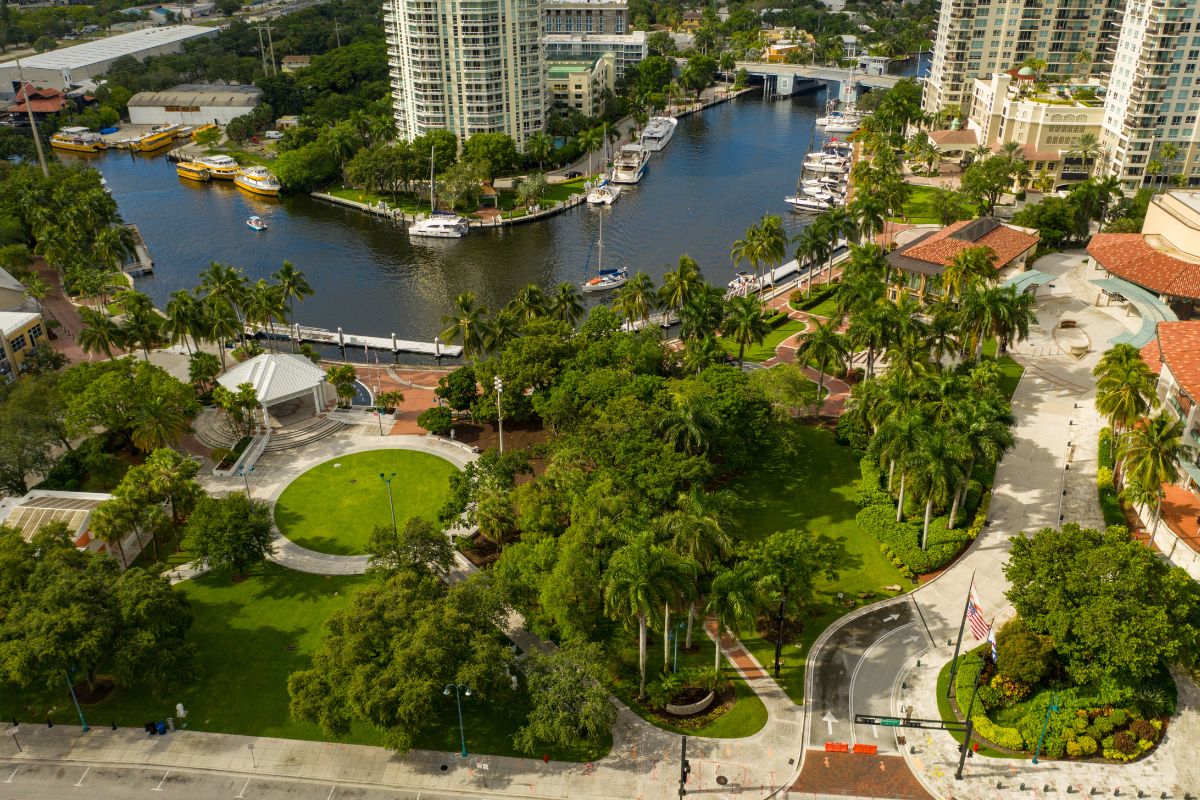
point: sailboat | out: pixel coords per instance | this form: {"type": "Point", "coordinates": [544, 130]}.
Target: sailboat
{"type": "Point", "coordinates": [437, 226]}
{"type": "Point", "coordinates": [606, 279]}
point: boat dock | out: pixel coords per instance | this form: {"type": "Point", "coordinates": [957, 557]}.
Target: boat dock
{"type": "Point", "coordinates": [137, 262]}
{"type": "Point", "coordinates": [339, 338]}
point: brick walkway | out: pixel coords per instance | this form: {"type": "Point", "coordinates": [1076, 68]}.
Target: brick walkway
{"type": "Point", "coordinates": [417, 386]}
{"type": "Point", "coordinates": [56, 306]}
{"type": "Point", "coordinates": [857, 775]}
{"type": "Point", "coordinates": [785, 353]}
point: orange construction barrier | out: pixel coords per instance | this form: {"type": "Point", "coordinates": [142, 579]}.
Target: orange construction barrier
{"type": "Point", "coordinates": [837, 747]}
{"type": "Point", "coordinates": [865, 749]}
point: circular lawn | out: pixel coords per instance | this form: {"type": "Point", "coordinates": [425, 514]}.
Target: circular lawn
{"type": "Point", "coordinates": [334, 506]}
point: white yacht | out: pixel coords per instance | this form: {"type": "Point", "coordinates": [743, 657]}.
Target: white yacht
{"type": "Point", "coordinates": [826, 165]}
{"type": "Point", "coordinates": [846, 125]}
{"type": "Point", "coordinates": [658, 133]}
{"type": "Point", "coordinates": [606, 279]}
{"type": "Point", "coordinates": [604, 194]}
{"type": "Point", "coordinates": [630, 164]}
{"type": "Point", "coordinates": [803, 202]}
{"type": "Point", "coordinates": [439, 226]}
{"type": "Point", "coordinates": [838, 118]}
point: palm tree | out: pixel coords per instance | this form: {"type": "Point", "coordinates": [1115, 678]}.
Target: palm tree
{"type": "Point", "coordinates": [220, 324]}
{"type": "Point", "coordinates": [701, 316]}
{"type": "Point", "coordinates": [868, 211]}
{"type": "Point", "coordinates": [261, 306]}
{"type": "Point", "coordinates": [936, 469]}
{"type": "Point", "coordinates": [1087, 149]}
{"type": "Point", "coordinates": [226, 284]}
{"type": "Point", "coordinates": [834, 224]}
{"type": "Point", "coordinates": [868, 331]}
{"type": "Point", "coordinates": [1150, 453]}
{"type": "Point", "coordinates": [968, 268]}
{"type": "Point", "coordinates": [158, 423]}
{"type": "Point", "coordinates": [734, 600]}
{"type": "Point", "coordinates": [1154, 168]}
{"type": "Point", "coordinates": [99, 334]}
{"type": "Point", "coordinates": [1169, 152]}
{"type": "Point", "coordinates": [641, 578]}
{"type": "Point", "coordinates": [680, 284]}
{"type": "Point", "coordinates": [182, 311]}
{"type": "Point", "coordinates": [688, 424]}
{"type": "Point", "coordinates": [36, 288]}
{"type": "Point", "coordinates": [499, 330]}
{"type": "Point", "coordinates": [292, 287]}
{"type": "Point", "coordinates": [1110, 190]}
{"type": "Point", "coordinates": [111, 245]}
{"type": "Point", "coordinates": [539, 147]}
{"type": "Point", "coordinates": [637, 299]}
{"type": "Point", "coordinates": [464, 324]}
{"type": "Point", "coordinates": [1124, 388]}
{"type": "Point", "coordinates": [987, 434]}
{"type": "Point", "coordinates": [698, 529]}
{"type": "Point", "coordinates": [530, 303]}
{"type": "Point", "coordinates": [566, 304]}
{"type": "Point", "coordinates": [701, 353]}
{"type": "Point", "coordinates": [811, 249]}
{"type": "Point", "coordinates": [142, 326]}
{"type": "Point", "coordinates": [826, 347]}
{"type": "Point", "coordinates": [1001, 312]}
{"type": "Point", "coordinates": [588, 141]}
{"type": "Point", "coordinates": [744, 324]}
{"type": "Point", "coordinates": [112, 521]}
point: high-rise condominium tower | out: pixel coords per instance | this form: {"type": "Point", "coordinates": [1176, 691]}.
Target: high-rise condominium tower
{"type": "Point", "coordinates": [976, 38]}
{"type": "Point", "coordinates": [1150, 131]}
{"type": "Point", "coordinates": [466, 66]}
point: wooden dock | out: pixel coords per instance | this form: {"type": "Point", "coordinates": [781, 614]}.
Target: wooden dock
{"type": "Point", "coordinates": [138, 262]}
{"type": "Point", "coordinates": [345, 341]}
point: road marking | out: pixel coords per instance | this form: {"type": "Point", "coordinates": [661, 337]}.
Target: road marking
{"type": "Point", "coordinates": [891, 618]}
{"type": "Point", "coordinates": [160, 783]}
{"type": "Point", "coordinates": [912, 639]}
{"type": "Point", "coordinates": [14, 774]}
{"type": "Point", "coordinates": [829, 719]}
{"type": "Point", "coordinates": [84, 775]}
{"type": "Point", "coordinates": [242, 793]}
{"type": "Point", "coordinates": [854, 675]}
{"type": "Point", "coordinates": [332, 789]}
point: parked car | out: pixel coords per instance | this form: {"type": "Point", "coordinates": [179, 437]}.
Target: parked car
{"type": "Point", "coordinates": [273, 135]}
{"type": "Point", "coordinates": [574, 174]}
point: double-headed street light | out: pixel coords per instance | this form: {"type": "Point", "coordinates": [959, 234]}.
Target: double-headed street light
{"type": "Point", "coordinates": [391, 503]}
{"type": "Point", "coordinates": [499, 384]}
{"type": "Point", "coordinates": [459, 690]}
{"type": "Point", "coordinates": [244, 474]}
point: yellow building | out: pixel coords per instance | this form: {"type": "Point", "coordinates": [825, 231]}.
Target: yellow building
{"type": "Point", "coordinates": [580, 85]}
{"type": "Point", "coordinates": [20, 332]}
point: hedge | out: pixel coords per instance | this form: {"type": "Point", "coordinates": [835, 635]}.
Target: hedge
{"type": "Point", "coordinates": [1110, 502]}
{"type": "Point", "coordinates": [869, 491]}
{"type": "Point", "coordinates": [964, 684]}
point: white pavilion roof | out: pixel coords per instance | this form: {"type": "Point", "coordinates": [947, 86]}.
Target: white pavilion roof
{"type": "Point", "coordinates": [275, 376]}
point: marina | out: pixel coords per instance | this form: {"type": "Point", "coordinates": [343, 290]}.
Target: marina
{"type": "Point", "coordinates": [353, 342]}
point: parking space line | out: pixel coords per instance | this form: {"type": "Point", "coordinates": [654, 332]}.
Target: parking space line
{"type": "Point", "coordinates": [160, 783]}
{"type": "Point", "coordinates": [84, 775]}
{"type": "Point", "coordinates": [14, 774]}
{"type": "Point", "coordinates": [332, 789]}
{"type": "Point", "coordinates": [242, 793]}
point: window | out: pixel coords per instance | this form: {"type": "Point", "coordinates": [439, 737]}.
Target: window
{"type": "Point", "coordinates": [17, 343]}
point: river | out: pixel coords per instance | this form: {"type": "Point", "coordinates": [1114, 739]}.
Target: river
{"type": "Point", "coordinates": [724, 169]}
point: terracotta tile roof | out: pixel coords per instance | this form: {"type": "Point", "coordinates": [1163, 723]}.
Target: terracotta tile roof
{"type": "Point", "coordinates": [951, 137]}
{"type": "Point", "coordinates": [1150, 354]}
{"type": "Point", "coordinates": [1128, 256]}
{"type": "Point", "coordinates": [1178, 346]}
{"type": "Point", "coordinates": [1029, 153]}
{"type": "Point", "coordinates": [938, 249]}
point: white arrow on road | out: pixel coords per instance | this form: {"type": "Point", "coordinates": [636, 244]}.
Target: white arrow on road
{"type": "Point", "coordinates": [912, 639]}
{"type": "Point", "coordinates": [829, 719]}
{"type": "Point", "coordinates": [892, 618]}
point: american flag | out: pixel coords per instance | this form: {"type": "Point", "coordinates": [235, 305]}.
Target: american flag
{"type": "Point", "coordinates": [979, 626]}
{"type": "Point", "coordinates": [991, 637]}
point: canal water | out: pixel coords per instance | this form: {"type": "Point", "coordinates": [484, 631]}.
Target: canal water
{"type": "Point", "coordinates": [724, 169]}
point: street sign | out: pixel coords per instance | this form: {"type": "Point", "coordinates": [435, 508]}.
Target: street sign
{"type": "Point", "coordinates": [908, 722]}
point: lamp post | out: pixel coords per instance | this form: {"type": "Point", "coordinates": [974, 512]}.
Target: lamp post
{"type": "Point", "coordinates": [678, 630]}
{"type": "Point", "coordinates": [75, 700]}
{"type": "Point", "coordinates": [244, 474]}
{"type": "Point", "coordinates": [1051, 708]}
{"type": "Point", "coordinates": [391, 503]}
{"type": "Point", "coordinates": [437, 350]}
{"type": "Point", "coordinates": [499, 384]}
{"type": "Point", "coordinates": [459, 690]}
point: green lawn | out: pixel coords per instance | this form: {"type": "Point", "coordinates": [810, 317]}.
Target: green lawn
{"type": "Point", "coordinates": [1010, 370]}
{"type": "Point", "coordinates": [334, 506]}
{"type": "Point", "coordinates": [249, 637]}
{"type": "Point", "coordinates": [556, 192]}
{"type": "Point", "coordinates": [919, 210]}
{"type": "Point", "coordinates": [405, 203]}
{"type": "Point", "coordinates": [809, 482]}
{"type": "Point", "coordinates": [761, 352]}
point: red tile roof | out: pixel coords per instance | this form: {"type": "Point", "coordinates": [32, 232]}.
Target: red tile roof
{"type": "Point", "coordinates": [950, 137]}
{"type": "Point", "coordinates": [1028, 152]}
{"type": "Point", "coordinates": [1178, 346]}
{"type": "Point", "coordinates": [1006, 242]}
{"type": "Point", "coordinates": [43, 101]}
{"type": "Point", "coordinates": [1128, 256]}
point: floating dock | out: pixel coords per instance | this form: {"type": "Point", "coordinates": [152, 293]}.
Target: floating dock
{"type": "Point", "coordinates": [138, 261]}
{"type": "Point", "coordinates": [339, 338]}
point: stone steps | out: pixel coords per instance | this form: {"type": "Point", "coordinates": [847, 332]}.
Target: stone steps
{"type": "Point", "coordinates": [292, 438]}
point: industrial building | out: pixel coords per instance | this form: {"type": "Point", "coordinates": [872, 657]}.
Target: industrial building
{"type": "Point", "coordinates": [71, 66]}
{"type": "Point", "coordinates": [193, 104]}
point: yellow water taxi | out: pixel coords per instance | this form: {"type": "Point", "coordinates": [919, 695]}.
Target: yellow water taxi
{"type": "Point", "coordinates": [193, 171]}
{"type": "Point", "coordinates": [78, 139]}
{"type": "Point", "coordinates": [156, 139]}
{"type": "Point", "coordinates": [257, 180]}
{"type": "Point", "coordinates": [220, 167]}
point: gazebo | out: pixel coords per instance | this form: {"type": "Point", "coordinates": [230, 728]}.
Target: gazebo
{"type": "Point", "coordinates": [280, 378]}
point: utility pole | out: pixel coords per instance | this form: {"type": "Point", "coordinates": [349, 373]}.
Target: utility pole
{"type": "Point", "coordinates": [33, 129]}
{"type": "Point", "coordinates": [685, 767]}
{"type": "Point", "coordinates": [268, 50]}
{"type": "Point", "coordinates": [271, 49]}
{"type": "Point", "coordinates": [262, 50]}
{"type": "Point", "coordinates": [337, 33]}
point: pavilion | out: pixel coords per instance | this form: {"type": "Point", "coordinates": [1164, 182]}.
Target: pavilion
{"type": "Point", "coordinates": [284, 381]}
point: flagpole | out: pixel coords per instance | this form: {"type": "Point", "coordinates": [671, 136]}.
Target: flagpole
{"type": "Point", "coordinates": [957, 645]}
{"type": "Point", "coordinates": [966, 747]}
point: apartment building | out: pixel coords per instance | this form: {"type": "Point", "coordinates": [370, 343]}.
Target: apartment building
{"type": "Point", "coordinates": [1150, 127]}
{"type": "Point", "coordinates": [580, 85]}
{"type": "Point", "coordinates": [628, 48]}
{"type": "Point", "coordinates": [1047, 123]}
{"type": "Point", "coordinates": [586, 16]}
{"type": "Point", "coordinates": [467, 66]}
{"type": "Point", "coordinates": [976, 38]}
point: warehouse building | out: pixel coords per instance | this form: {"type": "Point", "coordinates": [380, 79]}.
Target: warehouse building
{"type": "Point", "coordinates": [71, 66]}
{"type": "Point", "coordinates": [193, 104]}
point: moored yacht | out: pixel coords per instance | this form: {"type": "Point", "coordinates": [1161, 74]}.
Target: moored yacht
{"type": "Point", "coordinates": [257, 180]}
{"type": "Point", "coordinates": [439, 226]}
{"type": "Point", "coordinates": [604, 194]}
{"type": "Point", "coordinates": [658, 133]}
{"type": "Point", "coordinates": [630, 164]}
{"type": "Point", "coordinates": [222, 167]}
{"type": "Point", "coordinates": [803, 202]}
{"type": "Point", "coordinates": [78, 139]}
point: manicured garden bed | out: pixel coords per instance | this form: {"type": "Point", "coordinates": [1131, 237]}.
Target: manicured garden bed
{"type": "Point", "coordinates": [761, 352]}
{"type": "Point", "coordinates": [334, 506]}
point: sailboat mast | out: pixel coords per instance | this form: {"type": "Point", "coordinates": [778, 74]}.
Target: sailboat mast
{"type": "Point", "coordinates": [600, 246]}
{"type": "Point", "coordinates": [432, 204]}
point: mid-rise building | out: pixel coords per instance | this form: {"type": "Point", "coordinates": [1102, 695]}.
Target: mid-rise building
{"type": "Point", "coordinates": [1048, 124]}
{"type": "Point", "coordinates": [976, 38]}
{"type": "Point", "coordinates": [580, 85]}
{"type": "Point", "coordinates": [1154, 94]}
{"type": "Point", "coordinates": [627, 48]}
{"type": "Point", "coordinates": [586, 16]}
{"type": "Point", "coordinates": [466, 66]}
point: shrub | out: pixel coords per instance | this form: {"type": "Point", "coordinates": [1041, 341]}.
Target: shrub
{"type": "Point", "coordinates": [850, 433]}
{"type": "Point", "coordinates": [980, 519]}
{"type": "Point", "coordinates": [1124, 743]}
{"type": "Point", "coordinates": [904, 538]}
{"type": "Point", "coordinates": [999, 735]}
{"type": "Point", "coordinates": [436, 420]}
{"type": "Point", "coordinates": [1087, 745]}
{"type": "Point", "coordinates": [1079, 724]}
{"type": "Point", "coordinates": [1104, 725]}
{"type": "Point", "coordinates": [1119, 717]}
{"type": "Point", "coordinates": [1027, 657]}
{"type": "Point", "coordinates": [1074, 750]}
{"type": "Point", "coordinates": [1144, 729]}
{"type": "Point", "coordinates": [1104, 478]}
{"type": "Point", "coordinates": [870, 491]}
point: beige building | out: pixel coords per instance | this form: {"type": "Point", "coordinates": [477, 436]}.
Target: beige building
{"type": "Point", "coordinates": [976, 39]}
{"type": "Point", "coordinates": [580, 85]}
{"type": "Point", "coordinates": [586, 16]}
{"type": "Point", "coordinates": [1049, 125]}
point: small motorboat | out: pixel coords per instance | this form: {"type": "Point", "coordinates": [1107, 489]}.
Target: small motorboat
{"type": "Point", "coordinates": [604, 194]}
{"type": "Point", "coordinates": [806, 203]}
{"type": "Point", "coordinates": [256, 222]}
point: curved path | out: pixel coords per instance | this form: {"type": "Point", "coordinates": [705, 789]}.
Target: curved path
{"type": "Point", "coordinates": [785, 353]}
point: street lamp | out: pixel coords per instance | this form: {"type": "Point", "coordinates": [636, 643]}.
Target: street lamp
{"type": "Point", "coordinates": [457, 687]}
{"type": "Point", "coordinates": [244, 474]}
{"type": "Point", "coordinates": [74, 699]}
{"type": "Point", "coordinates": [391, 503]}
{"type": "Point", "coordinates": [678, 630]}
{"type": "Point", "coordinates": [499, 384]}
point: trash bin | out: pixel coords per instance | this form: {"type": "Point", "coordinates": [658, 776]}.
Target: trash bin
{"type": "Point", "coordinates": [149, 728]}
{"type": "Point", "coordinates": [162, 728]}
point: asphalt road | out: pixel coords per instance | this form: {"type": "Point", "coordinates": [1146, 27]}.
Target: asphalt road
{"type": "Point", "coordinates": [51, 781]}
{"type": "Point", "coordinates": [856, 672]}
